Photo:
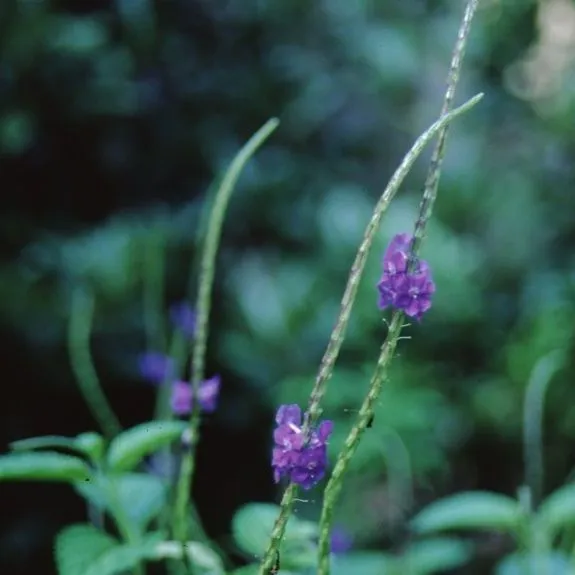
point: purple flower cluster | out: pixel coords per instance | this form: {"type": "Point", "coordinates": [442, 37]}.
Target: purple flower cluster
{"type": "Point", "coordinates": [181, 399]}
{"type": "Point", "coordinates": [302, 462]}
{"type": "Point", "coordinates": [409, 291]}
{"type": "Point", "coordinates": [159, 368]}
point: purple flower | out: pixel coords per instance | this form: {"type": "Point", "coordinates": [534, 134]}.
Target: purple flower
{"type": "Point", "coordinates": [181, 399]}
{"type": "Point", "coordinates": [341, 541]}
{"type": "Point", "coordinates": [156, 367]}
{"type": "Point", "coordinates": [184, 318]}
{"type": "Point", "coordinates": [304, 463]}
{"type": "Point", "coordinates": [405, 290]}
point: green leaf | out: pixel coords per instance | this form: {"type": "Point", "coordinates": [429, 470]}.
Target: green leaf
{"type": "Point", "coordinates": [254, 569]}
{"type": "Point", "coordinates": [141, 496]}
{"type": "Point", "coordinates": [252, 526]}
{"type": "Point", "coordinates": [132, 445]}
{"type": "Point", "coordinates": [122, 558]}
{"type": "Point", "coordinates": [471, 510]}
{"type": "Point", "coordinates": [92, 444]}
{"type": "Point", "coordinates": [366, 563]}
{"type": "Point", "coordinates": [43, 442]}
{"type": "Point", "coordinates": [436, 554]}
{"type": "Point", "coordinates": [79, 546]}
{"type": "Point", "coordinates": [43, 466]}
{"type": "Point", "coordinates": [558, 510]}
{"type": "Point", "coordinates": [553, 563]}
{"type": "Point", "coordinates": [202, 556]}
{"type": "Point", "coordinates": [89, 444]}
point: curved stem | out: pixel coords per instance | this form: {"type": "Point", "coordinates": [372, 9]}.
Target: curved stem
{"type": "Point", "coordinates": [338, 333]}
{"type": "Point", "coordinates": [203, 305]}
{"type": "Point", "coordinates": [79, 328]}
{"type": "Point", "coordinates": [539, 381]}
{"type": "Point", "coordinates": [335, 482]}
{"type": "Point", "coordinates": [429, 195]}
{"type": "Point", "coordinates": [337, 336]}
{"type": "Point", "coordinates": [434, 172]}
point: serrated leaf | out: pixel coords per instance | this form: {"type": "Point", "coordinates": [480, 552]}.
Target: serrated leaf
{"type": "Point", "coordinates": [558, 510]}
{"type": "Point", "coordinates": [554, 563]}
{"type": "Point", "coordinates": [252, 526]}
{"type": "Point", "coordinates": [132, 445]}
{"type": "Point", "coordinates": [141, 496]}
{"type": "Point", "coordinates": [79, 546]}
{"type": "Point", "coordinates": [471, 510]}
{"type": "Point", "coordinates": [436, 555]}
{"type": "Point", "coordinates": [366, 563]}
{"type": "Point", "coordinates": [43, 466]}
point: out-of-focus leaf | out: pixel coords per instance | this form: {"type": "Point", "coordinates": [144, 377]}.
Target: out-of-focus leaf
{"type": "Point", "coordinates": [471, 510]}
{"type": "Point", "coordinates": [17, 132]}
{"type": "Point", "coordinates": [89, 443]}
{"type": "Point", "coordinates": [79, 546]}
{"type": "Point", "coordinates": [435, 555]}
{"type": "Point", "coordinates": [558, 510]}
{"type": "Point", "coordinates": [132, 445]}
{"type": "Point", "coordinates": [366, 563]}
{"type": "Point", "coordinates": [553, 563]}
{"type": "Point", "coordinates": [140, 495]}
{"type": "Point", "coordinates": [252, 526]}
{"type": "Point", "coordinates": [203, 557]}
{"type": "Point", "coordinates": [77, 35]}
{"type": "Point", "coordinates": [42, 466]}
{"type": "Point", "coordinates": [123, 558]}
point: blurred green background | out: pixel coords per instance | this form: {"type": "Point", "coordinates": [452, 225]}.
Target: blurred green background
{"type": "Point", "coordinates": [116, 116]}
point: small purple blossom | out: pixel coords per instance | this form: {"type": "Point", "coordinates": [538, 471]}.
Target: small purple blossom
{"type": "Point", "coordinates": [156, 367]}
{"type": "Point", "coordinates": [181, 398]}
{"type": "Point", "coordinates": [184, 318]}
{"type": "Point", "coordinates": [304, 463]}
{"type": "Point", "coordinates": [400, 288]}
{"type": "Point", "coordinates": [341, 541]}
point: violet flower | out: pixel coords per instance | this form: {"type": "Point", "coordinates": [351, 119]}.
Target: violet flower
{"type": "Point", "coordinates": [181, 397]}
{"type": "Point", "coordinates": [341, 541]}
{"type": "Point", "coordinates": [409, 291]}
{"type": "Point", "coordinates": [156, 367]}
{"type": "Point", "coordinates": [184, 318]}
{"type": "Point", "coordinates": [302, 462]}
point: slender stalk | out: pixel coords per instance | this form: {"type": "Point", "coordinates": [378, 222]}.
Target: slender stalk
{"type": "Point", "coordinates": [338, 333]}
{"type": "Point", "coordinates": [434, 172]}
{"type": "Point", "coordinates": [335, 482]}
{"type": "Point", "coordinates": [79, 328]}
{"type": "Point", "coordinates": [337, 336]}
{"type": "Point", "coordinates": [541, 377]}
{"type": "Point", "coordinates": [203, 305]}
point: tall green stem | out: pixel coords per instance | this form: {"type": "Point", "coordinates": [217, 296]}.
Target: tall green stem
{"type": "Point", "coordinates": [203, 305]}
{"type": "Point", "coordinates": [79, 328]}
{"type": "Point", "coordinates": [338, 333]}
{"type": "Point", "coordinates": [434, 172]}
{"type": "Point", "coordinates": [539, 381]}
{"type": "Point", "coordinates": [335, 482]}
